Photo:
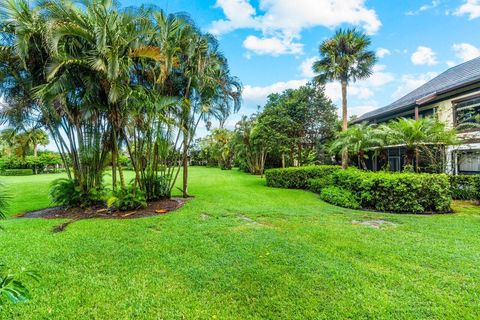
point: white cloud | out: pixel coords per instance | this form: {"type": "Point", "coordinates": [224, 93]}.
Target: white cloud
{"type": "Point", "coordinates": [451, 63]}
{"type": "Point", "coordinates": [259, 94]}
{"type": "Point", "coordinates": [273, 46]}
{"type": "Point", "coordinates": [382, 52]}
{"type": "Point", "coordinates": [466, 51]}
{"type": "Point", "coordinates": [424, 55]}
{"type": "Point", "coordinates": [470, 8]}
{"type": "Point", "coordinates": [410, 82]}
{"type": "Point", "coordinates": [284, 20]}
{"type": "Point", "coordinates": [423, 8]}
{"type": "Point", "coordinates": [359, 110]}
{"type": "Point", "coordinates": [306, 67]}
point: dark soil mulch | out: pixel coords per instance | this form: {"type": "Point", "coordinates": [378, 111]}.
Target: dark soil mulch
{"type": "Point", "coordinates": [160, 207]}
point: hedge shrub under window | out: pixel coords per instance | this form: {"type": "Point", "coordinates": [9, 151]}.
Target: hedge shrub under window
{"type": "Point", "coordinates": [382, 191]}
{"type": "Point", "coordinates": [297, 177]}
{"type": "Point", "coordinates": [464, 186]}
{"type": "Point", "coordinates": [397, 192]}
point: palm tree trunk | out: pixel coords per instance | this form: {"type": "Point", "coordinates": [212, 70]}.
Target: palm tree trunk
{"type": "Point", "coordinates": [344, 122]}
{"type": "Point", "coordinates": [185, 165]}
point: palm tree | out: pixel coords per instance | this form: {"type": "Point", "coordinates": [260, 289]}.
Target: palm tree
{"type": "Point", "coordinates": [32, 138]}
{"type": "Point", "coordinates": [418, 134]}
{"type": "Point", "coordinates": [356, 140]}
{"type": "Point", "coordinates": [345, 58]}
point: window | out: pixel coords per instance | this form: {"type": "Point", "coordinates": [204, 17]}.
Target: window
{"type": "Point", "coordinates": [468, 114]}
{"type": "Point", "coordinates": [469, 162]}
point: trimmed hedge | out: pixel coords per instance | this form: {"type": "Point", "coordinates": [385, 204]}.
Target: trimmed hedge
{"type": "Point", "coordinates": [382, 191]}
{"type": "Point", "coordinates": [16, 172]}
{"type": "Point", "coordinates": [397, 192]}
{"type": "Point", "coordinates": [464, 186]}
{"type": "Point", "coordinates": [339, 197]}
{"type": "Point", "coordinates": [297, 177]}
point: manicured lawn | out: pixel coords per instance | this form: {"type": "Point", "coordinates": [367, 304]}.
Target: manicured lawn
{"type": "Point", "coordinates": [240, 250]}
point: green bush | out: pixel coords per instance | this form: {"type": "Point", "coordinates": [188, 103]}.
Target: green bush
{"type": "Point", "coordinates": [130, 198]}
{"type": "Point", "coordinates": [397, 192]}
{"type": "Point", "coordinates": [297, 177]}
{"type": "Point", "coordinates": [318, 184]}
{"type": "Point", "coordinates": [16, 172]}
{"type": "Point", "coordinates": [464, 186]}
{"type": "Point", "coordinates": [66, 192]}
{"type": "Point", "coordinates": [339, 197]}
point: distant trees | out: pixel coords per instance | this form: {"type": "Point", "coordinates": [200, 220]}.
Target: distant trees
{"type": "Point", "coordinates": [345, 58]}
{"type": "Point", "coordinates": [24, 142]}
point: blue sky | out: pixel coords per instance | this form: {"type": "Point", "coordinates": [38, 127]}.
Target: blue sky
{"type": "Point", "coordinates": [270, 43]}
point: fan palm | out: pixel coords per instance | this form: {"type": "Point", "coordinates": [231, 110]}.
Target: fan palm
{"type": "Point", "coordinates": [345, 58]}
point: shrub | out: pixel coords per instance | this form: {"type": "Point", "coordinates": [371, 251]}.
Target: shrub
{"type": "Point", "coordinates": [316, 185]}
{"type": "Point", "coordinates": [339, 197]}
{"type": "Point", "coordinates": [66, 192]}
{"type": "Point", "coordinates": [397, 192]}
{"type": "Point", "coordinates": [297, 177]}
{"type": "Point", "coordinates": [16, 172]}
{"type": "Point", "coordinates": [464, 186]}
{"type": "Point", "coordinates": [130, 198]}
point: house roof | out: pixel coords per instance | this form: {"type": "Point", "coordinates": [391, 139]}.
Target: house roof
{"type": "Point", "coordinates": [453, 78]}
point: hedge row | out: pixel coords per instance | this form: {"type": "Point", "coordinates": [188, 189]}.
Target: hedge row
{"type": "Point", "coordinates": [297, 177]}
{"type": "Point", "coordinates": [397, 192]}
{"type": "Point", "coordinates": [16, 172]}
{"type": "Point", "coordinates": [382, 191]}
{"type": "Point", "coordinates": [464, 187]}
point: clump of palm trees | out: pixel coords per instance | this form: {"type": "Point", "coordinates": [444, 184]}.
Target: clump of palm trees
{"type": "Point", "coordinates": [416, 136]}
{"type": "Point", "coordinates": [102, 80]}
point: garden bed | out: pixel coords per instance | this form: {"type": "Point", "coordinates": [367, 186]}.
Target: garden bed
{"type": "Point", "coordinates": [160, 207]}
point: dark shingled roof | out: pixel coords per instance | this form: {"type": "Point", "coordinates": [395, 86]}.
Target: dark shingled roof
{"type": "Point", "coordinates": [458, 76]}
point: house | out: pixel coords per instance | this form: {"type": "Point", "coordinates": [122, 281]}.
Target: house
{"type": "Point", "coordinates": [453, 97]}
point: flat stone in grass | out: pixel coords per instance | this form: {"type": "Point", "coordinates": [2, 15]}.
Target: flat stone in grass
{"type": "Point", "coordinates": [247, 219]}
{"type": "Point", "coordinates": [377, 223]}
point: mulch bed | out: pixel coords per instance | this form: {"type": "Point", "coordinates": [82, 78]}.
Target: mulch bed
{"type": "Point", "coordinates": [155, 208]}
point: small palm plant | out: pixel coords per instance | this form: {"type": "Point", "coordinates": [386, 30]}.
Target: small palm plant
{"type": "Point", "coordinates": [356, 140]}
{"type": "Point", "coordinates": [11, 285]}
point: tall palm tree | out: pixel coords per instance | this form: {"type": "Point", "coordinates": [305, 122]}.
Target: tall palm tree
{"type": "Point", "coordinates": [356, 140]}
{"type": "Point", "coordinates": [345, 57]}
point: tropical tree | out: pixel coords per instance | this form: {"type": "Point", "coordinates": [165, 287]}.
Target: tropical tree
{"type": "Point", "coordinates": [417, 135]}
{"type": "Point", "coordinates": [356, 140]}
{"type": "Point", "coordinates": [103, 80]}
{"type": "Point", "coordinates": [345, 58]}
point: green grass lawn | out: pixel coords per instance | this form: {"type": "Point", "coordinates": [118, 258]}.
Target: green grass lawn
{"type": "Point", "coordinates": [240, 250]}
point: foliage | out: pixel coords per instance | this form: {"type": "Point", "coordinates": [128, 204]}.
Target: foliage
{"type": "Point", "coordinates": [130, 198]}
{"type": "Point", "coordinates": [318, 184]}
{"type": "Point", "coordinates": [44, 162]}
{"type": "Point", "coordinates": [104, 80]}
{"type": "Point", "coordinates": [69, 193]}
{"type": "Point", "coordinates": [22, 142]}
{"type": "Point", "coordinates": [217, 149]}
{"type": "Point", "coordinates": [16, 172]}
{"type": "Point", "coordinates": [12, 286]}
{"type": "Point", "coordinates": [339, 197]}
{"type": "Point", "coordinates": [297, 177]}
{"type": "Point", "coordinates": [419, 135]}
{"type": "Point", "coordinates": [397, 192]}
{"type": "Point", "coordinates": [464, 186]}
{"type": "Point", "coordinates": [356, 140]}
{"type": "Point", "coordinates": [345, 58]}
{"type": "Point", "coordinates": [293, 227]}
